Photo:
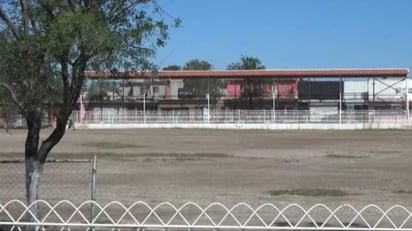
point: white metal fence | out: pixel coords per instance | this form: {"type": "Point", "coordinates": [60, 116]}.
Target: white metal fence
{"type": "Point", "coordinates": [241, 116]}
{"type": "Point", "coordinates": [64, 215]}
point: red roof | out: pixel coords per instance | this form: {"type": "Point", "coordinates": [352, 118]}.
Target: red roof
{"type": "Point", "coordinates": [284, 73]}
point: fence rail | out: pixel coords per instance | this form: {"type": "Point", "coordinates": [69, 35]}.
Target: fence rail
{"type": "Point", "coordinates": [121, 116]}
{"type": "Point", "coordinates": [203, 116]}
{"type": "Point", "coordinates": [65, 215]}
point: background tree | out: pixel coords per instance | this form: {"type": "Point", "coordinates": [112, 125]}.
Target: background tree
{"type": "Point", "coordinates": [252, 88]}
{"type": "Point", "coordinates": [47, 45]}
{"type": "Point", "coordinates": [202, 86]}
{"type": "Point", "coordinates": [172, 68]}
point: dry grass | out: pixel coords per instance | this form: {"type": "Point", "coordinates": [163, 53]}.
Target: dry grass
{"type": "Point", "coordinates": [229, 166]}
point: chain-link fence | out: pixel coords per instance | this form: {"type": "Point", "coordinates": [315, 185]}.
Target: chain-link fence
{"type": "Point", "coordinates": [61, 180]}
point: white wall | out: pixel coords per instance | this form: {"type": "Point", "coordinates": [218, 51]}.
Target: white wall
{"type": "Point", "coordinates": [175, 84]}
{"type": "Point", "coordinates": [353, 89]}
{"type": "Point", "coordinates": [395, 92]}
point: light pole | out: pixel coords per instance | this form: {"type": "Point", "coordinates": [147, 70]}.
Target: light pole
{"type": "Point", "coordinates": [407, 96]}
{"type": "Point", "coordinates": [81, 109]}
{"type": "Point", "coordinates": [208, 108]}
{"type": "Point", "coordinates": [274, 103]}
{"type": "Point", "coordinates": [340, 100]}
{"type": "Point", "coordinates": [101, 102]}
{"type": "Point", "coordinates": [144, 101]}
{"type": "Point", "coordinates": [144, 107]}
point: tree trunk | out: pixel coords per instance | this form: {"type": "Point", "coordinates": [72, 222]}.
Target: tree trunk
{"type": "Point", "coordinates": [34, 166]}
{"type": "Point", "coordinates": [34, 170]}
{"type": "Point", "coordinates": [35, 158]}
{"type": "Point", "coordinates": [250, 93]}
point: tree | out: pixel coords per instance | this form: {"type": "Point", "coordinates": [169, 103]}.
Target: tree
{"type": "Point", "coordinates": [252, 88]}
{"type": "Point", "coordinates": [47, 45]}
{"type": "Point", "coordinates": [204, 86]}
{"type": "Point", "coordinates": [172, 68]}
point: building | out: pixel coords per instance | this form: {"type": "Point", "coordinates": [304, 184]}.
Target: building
{"type": "Point", "coordinates": [291, 89]}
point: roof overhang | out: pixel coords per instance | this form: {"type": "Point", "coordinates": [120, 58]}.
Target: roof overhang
{"type": "Point", "coordinates": [274, 73]}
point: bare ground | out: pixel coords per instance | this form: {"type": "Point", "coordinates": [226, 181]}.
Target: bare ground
{"type": "Point", "coordinates": [231, 166]}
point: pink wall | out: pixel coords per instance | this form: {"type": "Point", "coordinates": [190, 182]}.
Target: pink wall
{"type": "Point", "coordinates": [233, 89]}
{"type": "Point", "coordinates": [286, 89]}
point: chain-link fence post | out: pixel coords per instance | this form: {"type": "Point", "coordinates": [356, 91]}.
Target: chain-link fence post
{"type": "Point", "coordinates": [93, 186]}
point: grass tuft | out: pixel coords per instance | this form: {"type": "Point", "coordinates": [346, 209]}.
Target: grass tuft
{"type": "Point", "coordinates": [384, 152]}
{"type": "Point", "coordinates": [318, 192]}
{"type": "Point", "coordinates": [402, 191]}
{"type": "Point", "coordinates": [344, 156]}
{"type": "Point", "coordinates": [183, 156]}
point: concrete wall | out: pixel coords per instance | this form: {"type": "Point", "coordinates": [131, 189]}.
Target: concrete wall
{"type": "Point", "coordinates": [174, 87]}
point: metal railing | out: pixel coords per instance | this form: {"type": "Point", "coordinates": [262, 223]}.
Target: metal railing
{"type": "Point", "coordinates": [64, 215]}
{"type": "Point", "coordinates": [241, 116]}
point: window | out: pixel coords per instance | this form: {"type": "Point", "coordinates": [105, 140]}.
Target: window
{"type": "Point", "coordinates": [142, 91]}
{"type": "Point", "coordinates": [155, 90]}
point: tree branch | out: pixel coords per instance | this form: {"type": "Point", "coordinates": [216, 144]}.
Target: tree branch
{"type": "Point", "coordinates": [8, 22]}
{"type": "Point", "coordinates": [124, 10]}
{"type": "Point", "coordinates": [76, 84]}
{"type": "Point", "coordinates": [53, 138]}
{"type": "Point", "coordinates": [25, 16]}
{"type": "Point", "coordinates": [65, 80]}
{"type": "Point", "coordinates": [13, 96]}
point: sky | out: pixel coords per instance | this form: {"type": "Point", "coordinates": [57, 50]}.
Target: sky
{"type": "Point", "coordinates": [291, 33]}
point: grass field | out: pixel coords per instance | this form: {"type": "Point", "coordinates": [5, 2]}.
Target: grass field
{"type": "Point", "coordinates": [230, 166]}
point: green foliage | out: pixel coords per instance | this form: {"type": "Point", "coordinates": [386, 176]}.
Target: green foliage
{"type": "Point", "coordinates": [252, 88]}
{"type": "Point", "coordinates": [202, 86]}
{"type": "Point", "coordinates": [247, 63]}
{"type": "Point", "coordinates": [43, 58]}
{"type": "Point", "coordinates": [172, 68]}
{"type": "Point", "coordinates": [197, 64]}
